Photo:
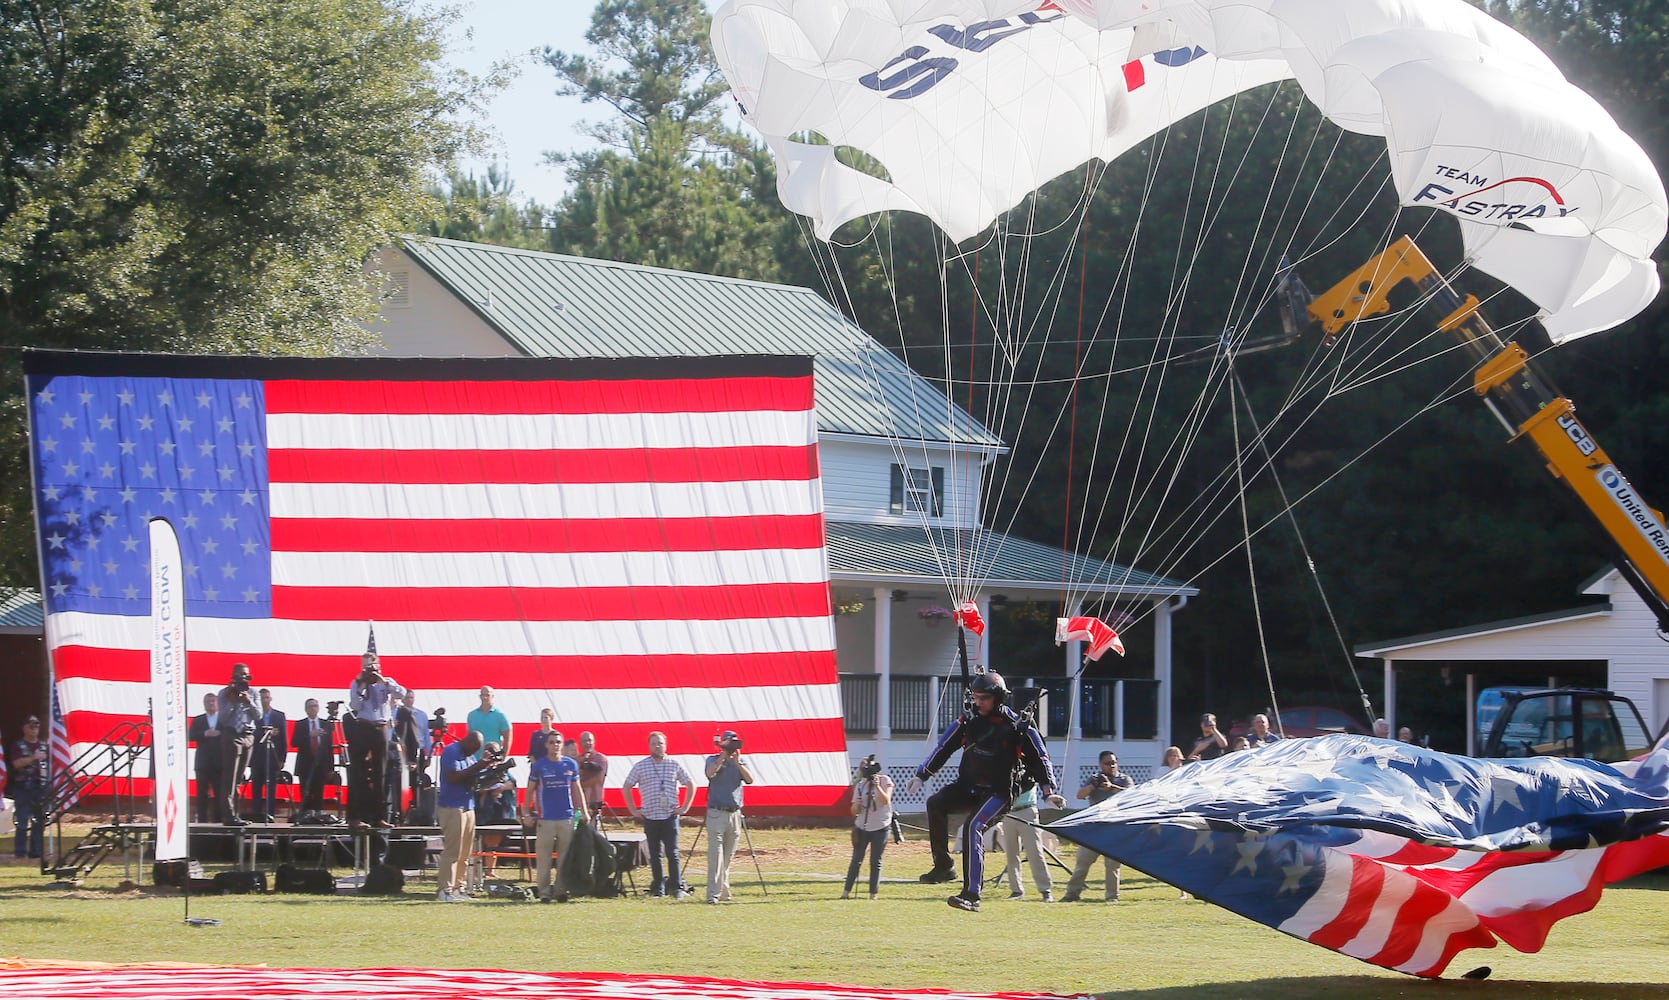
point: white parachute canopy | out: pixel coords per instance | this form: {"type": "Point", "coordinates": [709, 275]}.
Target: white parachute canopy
{"type": "Point", "coordinates": [970, 105]}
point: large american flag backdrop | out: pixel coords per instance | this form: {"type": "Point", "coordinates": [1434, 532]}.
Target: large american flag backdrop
{"type": "Point", "coordinates": [637, 544]}
{"type": "Point", "coordinates": [1388, 852]}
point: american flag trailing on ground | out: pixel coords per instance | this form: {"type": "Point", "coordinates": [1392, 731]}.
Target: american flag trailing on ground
{"type": "Point", "coordinates": [1388, 852]}
{"type": "Point", "coordinates": [637, 544]}
{"type": "Point", "coordinates": [23, 980]}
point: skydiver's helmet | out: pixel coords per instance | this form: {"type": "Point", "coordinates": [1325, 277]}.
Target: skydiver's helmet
{"type": "Point", "coordinates": [990, 683]}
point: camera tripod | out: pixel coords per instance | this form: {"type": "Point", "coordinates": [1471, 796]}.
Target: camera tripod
{"type": "Point", "coordinates": [746, 837]}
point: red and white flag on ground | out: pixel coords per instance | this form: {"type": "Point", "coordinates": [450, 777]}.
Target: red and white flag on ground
{"type": "Point", "coordinates": [1095, 633]}
{"type": "Point", "coordinates": [636, 544]}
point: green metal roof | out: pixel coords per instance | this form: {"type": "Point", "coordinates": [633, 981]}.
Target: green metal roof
{"type": "Point", "coordinates": [906, 551]}
{"type": "Point", "coordinates": [20, 608]}
{"type": "Point", "coordinates": [550, 305]}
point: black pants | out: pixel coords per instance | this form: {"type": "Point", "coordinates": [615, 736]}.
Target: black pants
{"type": "Point", "coordinates": [264, 766]}
{"type": "Point", "coordinates": [984, 807]}
{"type": "Point", "coordinates": [208, 791]}
{"type": "Point", "coordinates": [312, 778]}
{"type": "Point", "coordinates": [367, 772]}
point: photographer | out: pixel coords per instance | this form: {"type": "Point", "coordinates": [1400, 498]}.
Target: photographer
{"type": "Point", "coordinates": [314, 741]}
{"type": "Point", "coordinates": [371, 696]}
{"type": "Point", "coordinates": [1212, 743]}
{"type": "Point", "coordinates": [495, 804]}
{"type": "Point", "coordinates": [727, 772]}
{"type": "Point", "coordinates": [237, 741]}
{"type": "Point", "coordinates": [455, 802]}
{"type": "Point", "coordinates": [872, 822]}
{"type": "Point", "coordinates": [992, 738]}
{"type": "Point", "coordinates": [1106, 783]}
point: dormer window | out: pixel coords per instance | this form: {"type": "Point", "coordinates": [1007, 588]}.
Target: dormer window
{"type": "Point", "coordinates": [918, 491]}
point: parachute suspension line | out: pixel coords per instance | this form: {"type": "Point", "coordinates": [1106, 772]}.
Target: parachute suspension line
{"type": "Point", "coordinates": [1246, 534]}
{"type": "Point", "coordinates": [1191, 255]}
{"type": "Point", "coordinates": [1153, 376]}
{"type": "Point", "coordinates": [1067, 563]}
{"type": "Point", "coordinates": [1309, 560]}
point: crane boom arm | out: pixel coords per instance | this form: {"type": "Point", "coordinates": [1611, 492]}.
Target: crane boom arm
{"type": "Point", "coordinates": [1526, 403]}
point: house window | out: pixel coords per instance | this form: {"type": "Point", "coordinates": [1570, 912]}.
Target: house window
{"type": "Point", "coordinates": [918, 491]}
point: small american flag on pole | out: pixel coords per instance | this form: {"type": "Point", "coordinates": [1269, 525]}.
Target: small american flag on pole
{"type": "Point", "coordinates": [62, 757]}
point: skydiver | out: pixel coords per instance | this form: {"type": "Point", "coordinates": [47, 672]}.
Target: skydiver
{"type": "Point", "coordinates": [994, 739]}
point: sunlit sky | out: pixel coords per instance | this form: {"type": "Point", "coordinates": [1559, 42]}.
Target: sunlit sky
{"type": "Point", "coordinates": [528, 118]}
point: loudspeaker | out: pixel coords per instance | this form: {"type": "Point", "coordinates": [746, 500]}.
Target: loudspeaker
{"type": "Point", "coordinates": [383, 880]}
{"type": "Point", "coordinates": [312, 881]}
{"type": "Point", "coordinates": [240, 883]}
{"type": "Point", "coordinates": [422, 812]}
{"type": "Point", "coordinates": [175, 873]}
{"type": "Point", "coordinates": [406, 853]}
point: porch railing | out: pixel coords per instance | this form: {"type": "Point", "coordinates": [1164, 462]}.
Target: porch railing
{"type": "Point", "coordinates": [1124, 707]}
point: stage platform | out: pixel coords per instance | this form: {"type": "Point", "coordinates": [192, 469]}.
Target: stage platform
{"type": "Point", "coordinates": [328, 845]}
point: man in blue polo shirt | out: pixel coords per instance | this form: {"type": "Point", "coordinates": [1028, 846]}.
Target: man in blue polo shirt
{"type": "Point", "coordinates": [455, 806]}
{"type": "Point", "coordinates": [553, 799]}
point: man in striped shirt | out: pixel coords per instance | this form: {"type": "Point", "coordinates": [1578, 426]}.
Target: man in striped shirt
{"type": "Point", "coordinates": [661, 783]}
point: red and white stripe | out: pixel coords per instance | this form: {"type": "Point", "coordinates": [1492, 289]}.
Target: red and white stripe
{"type": "Point", "coordinates": [1412, 907]}
{"type": "Point", "coordinates": [166, 981]}
{"type": "Point", "coordinates": [636, 554]}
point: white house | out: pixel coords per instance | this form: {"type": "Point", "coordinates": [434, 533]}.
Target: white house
{"type": "Point", "coordinates": [901, 469]}
{"type": "Point", "coordinates": [1619, 634]}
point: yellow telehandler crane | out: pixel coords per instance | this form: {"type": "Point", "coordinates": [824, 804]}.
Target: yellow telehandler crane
{"type": "Point", "coordinates": [1532, 410]}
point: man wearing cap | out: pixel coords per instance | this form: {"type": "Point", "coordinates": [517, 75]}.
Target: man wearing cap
{"type": "Point", "coordinates": [1212, 743]}
{"type": "Point", "coordinates": [237, 740]}
{"type": "Point", "coordinates": [27, 788]}
{"type": "Point", "coordinates": [727, 772]}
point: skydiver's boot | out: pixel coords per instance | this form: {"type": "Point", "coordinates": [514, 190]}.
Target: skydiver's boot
{"type": "Point", "coordinates": [963, 901]}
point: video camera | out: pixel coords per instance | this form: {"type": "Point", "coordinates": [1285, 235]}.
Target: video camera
{"type": "Point", "coordinates": [869, 767]}
{"type": "Point", "coordinates": [333, 711]}
{"type": "Point", "coordinates": [437, 721]}
{"type": "Point", "coordinates": [729, 742]}
{"type": "Point", "coordinates": [497, 765]}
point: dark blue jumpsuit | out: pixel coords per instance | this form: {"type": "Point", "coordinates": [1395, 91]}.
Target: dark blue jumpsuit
{"type": "Point", "coordinates": [991, 746]}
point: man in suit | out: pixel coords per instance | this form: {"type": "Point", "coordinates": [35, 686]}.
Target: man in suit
{"type": "Point", "coordinates": [313, 740]}
{"type": "Point", "coordinates": [268, 758]}
{"type": "Point", "coordinates": [411, 734]}
{"type": "Point", "coordinates": [205, 734]}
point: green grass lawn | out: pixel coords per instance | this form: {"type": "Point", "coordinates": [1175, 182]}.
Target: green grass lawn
{"type": "Point", "coordinates": [794, 927]}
